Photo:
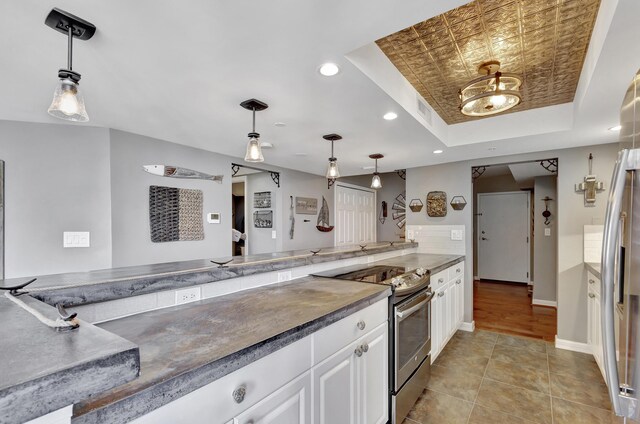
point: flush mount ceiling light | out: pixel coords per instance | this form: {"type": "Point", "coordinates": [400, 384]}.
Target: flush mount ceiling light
{"type": "Point", "coordinates": [493, 92]}
{"type": "Point", "coordinates": [437, 152]}
{"type": "Point", "coordinates": [254, 150]}
{"type": "Point", "coordinates": [329, 69]}
{"type": "Point", "coordinates": [68, 102]}
{"type": "Point", "coordinates": [375, 181]}
{"type": "Point", "coordinates": [616, 128]}
{"type": "Point", "coordinates": [390, 116]}
{"type": "Point", "coordinates": [332, 169]}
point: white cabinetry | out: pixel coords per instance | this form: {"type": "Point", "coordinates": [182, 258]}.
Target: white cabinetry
{"type": "Point", "coordinates": [594, 331]}
{"type": "Point", "coordinates": [337, 375]}
{"type": "Point", "coordinates": [447, 306]}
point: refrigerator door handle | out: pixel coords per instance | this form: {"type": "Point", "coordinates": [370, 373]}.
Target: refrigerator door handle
{"type": "Point", "coordinates": [622, 400]}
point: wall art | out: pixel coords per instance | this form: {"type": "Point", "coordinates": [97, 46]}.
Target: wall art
{"type": "Point", "coordinates": [416, 205]}
{"type": "Point", "coordinates": [175, 214]}
{"type": "Point", "coordinates": [458, 203]}
{"type": "Point", "coordinates": [306, 205]}
{"type": "Point", "coordinates": [262, 200]}
{"type": "Point", "coordinates": [399, 210]}
{"type": "Point", "coordinates": [323, 218]}
{"type": "Point", "coordinates": [437, 204]}
{"type": "Point", "coordinates": [263, 219]}
{"type": "Point", "coordinates": [177, 172]}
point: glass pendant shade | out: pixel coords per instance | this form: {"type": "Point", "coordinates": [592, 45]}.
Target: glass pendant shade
{"type": "Point", "coordinates": [491, 93]}
{"type": "Point", "coordinates": [376, 182]}
{"type": "Point", "coordinates": [332, 170]}
{"type": "Point", "coordinates": [68, 102]}
{"type": "Point", "coordinates": [254, 150]}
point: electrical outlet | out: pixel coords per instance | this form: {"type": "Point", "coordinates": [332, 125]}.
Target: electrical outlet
{"type": "Point", "coordinates": [187, 295]}
{"type": "Point", "coordinates": [284, 276]}
{"type": "Point", "coordinates": [547, 232]}
{"type": "Point", "coordinates": [456, 234]}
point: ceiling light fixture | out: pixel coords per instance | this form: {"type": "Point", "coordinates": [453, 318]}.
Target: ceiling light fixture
{"type": "Point", "coordinates": [68, 103]}
{"type": "Point", "coordinates": [493, 92]}
{"type": "Point", "coordinates": [329, 69]}
{"type": "Point", "coordinates": [332, 169]}
{"type": "Point", "coordinates": [254, 150]}
{"type": "Point", "coordinates": [437, 152]}
{"type": "Point", "coordinates": [376, 182]}
{"type": "Point", "coordinates": [390, 116]}
{"type": "Point", "coordinates": [616, 128]}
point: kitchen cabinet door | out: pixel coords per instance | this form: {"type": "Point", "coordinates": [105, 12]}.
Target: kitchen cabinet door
{"type": "Point", "coordinates": [450, 299]}
{"type": "Point", "coordinates": [290, 404]}
{"type": "Point", "coordinates": [334, 382]}
{"type": "Point", "coordinates": [459, 287]}
{"type": "Point", "coordinates": [437, 317]}
{"type": "Point", "coordinates": [373, 376]}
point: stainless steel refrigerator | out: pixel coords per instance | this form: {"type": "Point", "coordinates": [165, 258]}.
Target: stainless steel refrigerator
{"type": "Point", "coordinates": [621, 267]}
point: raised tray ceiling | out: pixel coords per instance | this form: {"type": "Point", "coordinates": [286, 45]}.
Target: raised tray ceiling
{"type": "Point", "coordinates": [545, 41]}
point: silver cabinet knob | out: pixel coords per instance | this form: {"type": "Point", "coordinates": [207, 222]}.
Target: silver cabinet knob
{"type": "Point", "coordinates": [458, 270]}
{"type": "Point", "coordinates": [591, 295]}
{"type": "Point", "coordinates": [591, 281]}
{"type": "Point", "coordinates": [361, 325]}
{"type": "Point", "coordinates": [441, 294]}
{"type": "Point", "coordinates": [458, 281]}
{"type": "Point", "coordinates": [239, 393]}
{"type": "Point", "coordinates": [365, 348]}
{"type": "Point", "coordinates": [358, 351]}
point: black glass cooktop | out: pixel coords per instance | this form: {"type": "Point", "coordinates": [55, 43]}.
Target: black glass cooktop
{"type": "Point", "coordinates": [368, 274]}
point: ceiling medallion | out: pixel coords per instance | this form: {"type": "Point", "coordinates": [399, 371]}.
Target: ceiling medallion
{"type": "Point", "coordinates": [493, 92]}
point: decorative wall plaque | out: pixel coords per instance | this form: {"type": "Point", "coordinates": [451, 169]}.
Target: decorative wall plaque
{"type": "Point", "coordinates": [262, 200]}
{"type": "Point", "coordinates": [306, 205]}
{"type": "Point", "coordinates": [175, 214]}
{"type": "Point", "coordinates": [437, 204]}
{"type": "Point", "coordinates": [263, 219]}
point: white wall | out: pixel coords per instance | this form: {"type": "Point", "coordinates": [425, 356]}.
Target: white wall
{"type": "Point", "coordinates": [455, 179]}
{"type": "Point", "coordinates": [57, 179]}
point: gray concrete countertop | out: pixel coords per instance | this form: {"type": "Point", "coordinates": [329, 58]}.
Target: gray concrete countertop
{"type": "Point", "coordinates": [43, 370]}
{"type": "Point", "coordinates": [181, 350]}
{"type": "Point", "coordinates": [434, 263]}
{"type": "Point", "coordinates": [594, 268]}
{"type": "Point", "coordinates": [80, 288]}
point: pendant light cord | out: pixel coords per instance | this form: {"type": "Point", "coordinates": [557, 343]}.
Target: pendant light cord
{"type": "Point", "coordinates": [332, 148]}
{"type": "Point", "coordinates": [254, 119]}
{"type": "Point", "coordinates": [70, 48]}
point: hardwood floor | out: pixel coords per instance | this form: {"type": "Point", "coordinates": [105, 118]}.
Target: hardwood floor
{"type": "Point", "coordinates": [506, 308]}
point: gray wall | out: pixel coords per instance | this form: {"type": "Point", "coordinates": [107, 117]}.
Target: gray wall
{"type": "Point", "coordinates": [455, 178]}
{"type": "Point", "coordinates": [545, 247]}
{"type": "Point", "coordinates": [259, 239]}
{"type": "Point", "coordinates": [130, 199]}
{"type": "Point", "coordinates": [57, 179]}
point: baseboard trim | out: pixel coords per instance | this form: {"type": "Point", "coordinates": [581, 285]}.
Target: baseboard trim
{"type": "Point", "coordinates": [574, 346]}
{"type": "Point", "coordinates": [468, 326]}
{"type": "Point", "coordinates": [541, 302]}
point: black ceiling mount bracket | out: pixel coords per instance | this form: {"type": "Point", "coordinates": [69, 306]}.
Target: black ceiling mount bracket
{"type": "Point", "coordinates": [332, 137]}
{"type": "Point", "coordinates": [253, 104]}
{"type": "Point", "coordinates": [402, 173]}
{"type": "Point", "coordinates": [68, 74]}
{"type": "Point", "coordinates": [234, 169]}
{"type": "Point", "coordinates": [477, 171]}
{"type": "Point", "coordinates": [275, 176]}
{"type": "Point", "coordinates": [330, 182]}
{"type": "Point", "coordinates": [61, 21]}
{"type": "Point", "coordinates": [550, 165]}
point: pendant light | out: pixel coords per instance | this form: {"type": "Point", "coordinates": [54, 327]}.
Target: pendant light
{"type": "Point", "coordinates": [68, 103]}
{"type": "Point", "coordinates": [493, 92]}
{"type": "Point", "coordinates": [376, 182]}
{"type": "Point", "coordinates": [332, 170]}
{"type": "Point", "coordinates": [254, 149]}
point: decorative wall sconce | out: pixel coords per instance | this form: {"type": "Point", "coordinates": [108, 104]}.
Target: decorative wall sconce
{"type": "Point", "coordinates": [68, 103]}
{"type": "Point", "coordinates": [458, 203]}
{"type": "Point", "coordinates": [546, 213]}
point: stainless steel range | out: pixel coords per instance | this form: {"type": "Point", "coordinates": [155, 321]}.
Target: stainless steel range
{"type": "Point", "coordinates": [409, 328]}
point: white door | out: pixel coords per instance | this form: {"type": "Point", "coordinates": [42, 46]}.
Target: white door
{"type": "Point", "coordinates": [373, 378]}
{"type": "Point", "coordinates": [334, 383]}
{"type": "Point", "coordinates": [290, 404]}
{"type": "Point", "coordinates": [503, 236]}
{"type": "Point", "coordinates": [355, 216]}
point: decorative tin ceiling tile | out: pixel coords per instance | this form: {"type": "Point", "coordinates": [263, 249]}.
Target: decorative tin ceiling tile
{"type": "Point", "coordinates": [544, 41]}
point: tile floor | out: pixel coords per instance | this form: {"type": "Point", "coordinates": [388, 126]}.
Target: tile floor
{"type": "Point", "coordinates": [490, 378]}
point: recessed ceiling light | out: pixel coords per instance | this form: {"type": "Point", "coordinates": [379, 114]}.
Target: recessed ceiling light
{"type": "Point", "coordinates": [266, 145]}
{"type": "Point", "coordinates": [329, 69]}
{"type": "Point", "coordinates": [279, 124]}
{"type": "Point", "coordinates": [390, 116]}
{"type": "Point", "coordinates": [616, 128]}
{"type": "Point", "coordinates": [367, 167]}
{"type": "Point", "coordinates": [437, 152]}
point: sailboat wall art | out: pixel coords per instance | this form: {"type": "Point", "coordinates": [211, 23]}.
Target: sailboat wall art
{"type": "Point", "coordinates": [323, 218]}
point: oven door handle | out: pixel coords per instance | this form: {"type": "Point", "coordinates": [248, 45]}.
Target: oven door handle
{"type": "Point", "coordinates": [402, 314]}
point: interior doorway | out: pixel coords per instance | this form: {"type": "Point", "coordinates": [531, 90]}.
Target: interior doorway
{"type": "Point", "coordinates": [515, 247]}
{"type": "Point", "coordinates": [239, 242]}
{"type": "Point", "coordinates": [355, 212]}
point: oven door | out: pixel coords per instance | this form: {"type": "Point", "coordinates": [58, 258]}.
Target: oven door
{"type": "Point", "coordinates": [412, 335]}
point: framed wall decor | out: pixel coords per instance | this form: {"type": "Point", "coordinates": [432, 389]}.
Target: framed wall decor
{"type": "Point", "coordinates": [306, 205]}
{"type": "Point", "coordinates": [262, 200]}
{"type": "Point", "coordinates": [437, 204]}
{"type": "Point", "coordinates": [263, 219]}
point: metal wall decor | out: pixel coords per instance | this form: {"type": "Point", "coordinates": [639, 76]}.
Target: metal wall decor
{"type": "Point", "coordinates": [177, 172]}
{"type": "Point", "coordinates": [175, 214]}
{"type": "Point", "coordinates": [546, 214]}
{"type": "Point", "coordinates": [458, 203]}
{"type": "Point", "coordinates": [262, 200]}
{"type": "Point", "coordinates": [263, 219]}
{"type": "Point", "coordinates": [399, 210]}
{"type": "Point", "coordinates": [437, 204]}
{"type": "Point", "coordinates": [416, 205]}
{"type": "Point", "coordinates": [382, 217]}
{"type": "Point", "coordinates": [323, 218]}
{"type": "Point", "coordinates": [275, 176]}
{"type": "Point", "coordinates": [306, 205]}
{"type": "Point", "coordinates": [550, 165]}
{"type": "Point", "coordinates": [590, 186]}
{"type": "Point", "coordinates": [477, 171]}
{"type": "Point", "coordinates": [402, 173]}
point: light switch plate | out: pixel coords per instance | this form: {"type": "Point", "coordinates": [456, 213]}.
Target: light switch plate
{"type": "Point", "coordinates": [284, 276]}
{"type": "Point", "coordinates": [456, 234]}
{"type": "Point", "coordinates": [76, 239]}
{"type": "Point", "coordinates": [213, 217]}
{"type": "Point", "coordinates": [547, 231]}
{"type": "Point", "coordinates": [273, 234]}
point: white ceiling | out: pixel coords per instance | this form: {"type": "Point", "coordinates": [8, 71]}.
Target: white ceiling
{"type": "Point", "coordinates": [178, 71]}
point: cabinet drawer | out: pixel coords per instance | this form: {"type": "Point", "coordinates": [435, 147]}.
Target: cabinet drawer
{"type": "Point", "coordinates": [456, 271]}
{"type": "Point", "coordinates": [593, 283]}
{"type": "Point", "coordinates": [439, 279]}
{"type": "Point", "coordinates": [214, 403]}
{"type": "Point", "coordinates": [339, 334]}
